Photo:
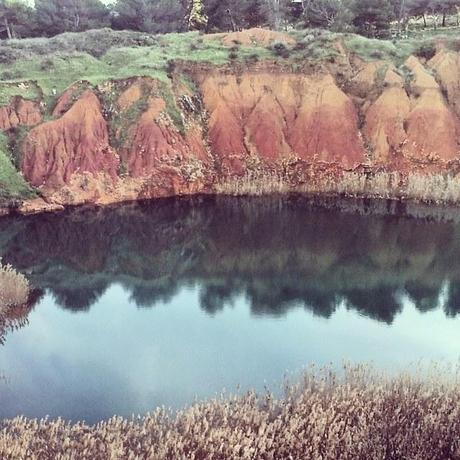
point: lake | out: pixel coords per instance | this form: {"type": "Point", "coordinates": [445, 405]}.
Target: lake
{"type": "Point", "coordinates": [168, 302]}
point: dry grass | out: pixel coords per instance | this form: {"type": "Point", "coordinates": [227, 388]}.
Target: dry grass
{"type": "Point", "coordinates": [425, 188]}
{"type": "Point", "coordinates": [356, 414]}
{"type": "Point", "coordinates": [14, 288]}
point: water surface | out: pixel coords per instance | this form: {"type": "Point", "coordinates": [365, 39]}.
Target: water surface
{"type": "Point", "coordinates": [163, 303]}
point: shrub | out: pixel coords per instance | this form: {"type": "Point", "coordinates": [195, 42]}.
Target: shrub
{"type": "Point", "coordinates": [46, 64]}
{"type": "Point", "coordinates": [93, 42]}
{"type": "Point", "coordinates": [14, 287]}
{"type": "Point", "coordinates": [254, 57]}
{"type": "Point", "coordinates": [8, 55]}
{"type": "Point", "coordinates": [454, 44]}
{"type": "Point", "coordinates": [280, 49]}
{"type": "Point", "coordinates": [425, 51]}
{"type": "Point", "coordinates": [376, 54]}
{"type": "Point", "coordinates": [301, 45]}
{"type": "Point", "coordinates": [170, 67]}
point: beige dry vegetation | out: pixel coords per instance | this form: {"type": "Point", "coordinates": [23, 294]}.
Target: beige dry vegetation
{"type": "Point", "coordinates": [354, 414]}
{"type": "Point", "coordinates": [425, 188]}
{"type": "Point", "coordinates": [14, 288]}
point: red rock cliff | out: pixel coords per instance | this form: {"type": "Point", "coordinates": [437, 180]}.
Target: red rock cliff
{"type": "Point", "coordinates": [141, 138]}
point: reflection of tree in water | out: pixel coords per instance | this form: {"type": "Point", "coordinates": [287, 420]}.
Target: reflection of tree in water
{"type": "Point", "coordinates": [277, 253]}
{"type": "Point", "coordinates": [147, 296]}
{"type": "Point", "coordinates": [79, 298]}
{"type": "Point", "coordinates": [425, 297]}
{"type": "Point", "coordinates": [452, 306]}
{"type": "Point", "coordinates": [379, 303]}
{"type": "Point", "coordinates": [214, 297]}
{"type": "Point", "coordinates": [277, 297]}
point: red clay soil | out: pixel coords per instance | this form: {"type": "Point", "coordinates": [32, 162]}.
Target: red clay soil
{"type": "Point", "coordinates": [412, 122]}
{"type": "Point", "coordinates": [66, 100]}
{"type": "Point", "coordinates": [77, 142]}
{"type": "Point", "coordinates": [446, 65]}
{"type": "Point", "coordinates": [255, 123]}
{"type": "Point", "coordinates": [154, 142]}
{"type": "Point", "coordinates": [384, 120]}
{"type": "Point", "coordinates": [19, 112]}
{"type": "Point", "coordinates": [254, 37]}
{"type": "Point", "coordinates": [273, 118]}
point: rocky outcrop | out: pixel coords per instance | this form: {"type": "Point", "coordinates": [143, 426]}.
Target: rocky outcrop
{"type": "Point", "coordinates": [78, 142]}
{"type": "Point", "coordinates": [19, 112]}
{"type": "Point", "coordinates": [269, 119]}
{"type": "Point", "coordinates": [433, 128]}
{"type": "Point", "coordinates": [153, 141]}
{"type": "Point", "coordinates": [385, 120]}
{"type": "Point", "coordinates": [411, 122]}
{"type": "Point", "coordinates": [446, 65]}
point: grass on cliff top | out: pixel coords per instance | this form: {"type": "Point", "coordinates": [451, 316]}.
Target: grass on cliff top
{"type": "Point", "coordinates": [50, 65]}
{"type": "Point", "coordinates": [56, 63]}
{"type": "Point", "coordinates": [397, 51]}
{"type": "Point", "coordinates": [12, 185]}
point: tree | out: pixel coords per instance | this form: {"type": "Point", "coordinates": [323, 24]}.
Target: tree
{"type": "Point", "coordinates": [372, 17]}
{"type": "Point", "coordinates": [235, 14]}
{"type": "Point", "coordinates": [15, 19]}
{"type": "Point", "coordinates": [443, 8]}
{"type": "Point", "coordinates": [153, 16]}
{"type": "Point", "coordinates": [57, 16]}
{"type": "Point", "coordinates": [331, 14]}
{"type": "Point", "coordinates": [418, 8]}
{"type": "Point", "coordinates": [196, 17]}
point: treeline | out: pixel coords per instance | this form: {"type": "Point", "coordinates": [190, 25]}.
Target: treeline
{"type": "Point", "coordinates": [372, 18]}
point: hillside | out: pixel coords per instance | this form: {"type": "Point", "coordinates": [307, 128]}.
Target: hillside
{"type": "Point", "coordinates": [104, 116]}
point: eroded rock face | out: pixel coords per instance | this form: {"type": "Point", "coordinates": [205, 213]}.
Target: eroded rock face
{"type": "Point", "coordinates": [153, 141]}
{"type": "Point", "coordinates": [433, 128]}
{"type": "Point", "coordinates": [266, 118]}
{"type": "Point", "coordinates": [446, 65]}
{"type": "Point", "coordinates": [141, 138]}
{"type": "Point", "coordinates": [385, 120]}
{"type": "Point", "coordinates": [19, 112]}
{"type": "Point", "coordinates": [76, 143]}
{"type": "Point", "coordinates": [411, 121]}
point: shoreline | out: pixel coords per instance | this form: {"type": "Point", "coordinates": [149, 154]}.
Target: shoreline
{"type": "Point", "coordinates": [362, 203]}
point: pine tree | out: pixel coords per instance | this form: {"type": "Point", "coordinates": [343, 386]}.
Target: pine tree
{"type": "Point", "coordinates": [372, 17]}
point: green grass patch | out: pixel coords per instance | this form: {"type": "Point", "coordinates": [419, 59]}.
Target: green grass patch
{"type": "Point", "coordinates": [13, 187]}
{"type": "Point", "coordinates": [374, 50]}
{"type": "Point", "coordinates": [27, 89]}
{"type": "Point", "coordinates": [120, 122]}
{"type": "Point", "coordinates": [171, 108]}
{"type": "Point", "coordinates": [54, 64]}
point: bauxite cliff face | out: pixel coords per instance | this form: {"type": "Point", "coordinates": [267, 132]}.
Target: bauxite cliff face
{"type": "Point", "coordinates": [370, 130]}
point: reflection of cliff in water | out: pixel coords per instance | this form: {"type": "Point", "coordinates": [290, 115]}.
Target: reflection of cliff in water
{"type": "Point", "coordinates": [278, 253]}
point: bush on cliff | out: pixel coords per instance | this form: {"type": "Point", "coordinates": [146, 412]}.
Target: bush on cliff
{"type": "Point", "coordinates": [13, 186]}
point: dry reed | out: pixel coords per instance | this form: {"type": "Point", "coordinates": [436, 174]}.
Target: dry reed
{"type": "Point", "coordinates": [14, 288]}
{"type": "Point", "coordinates": [426, 188]}
{"type": "Point", "coordinates": [354, 414]}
